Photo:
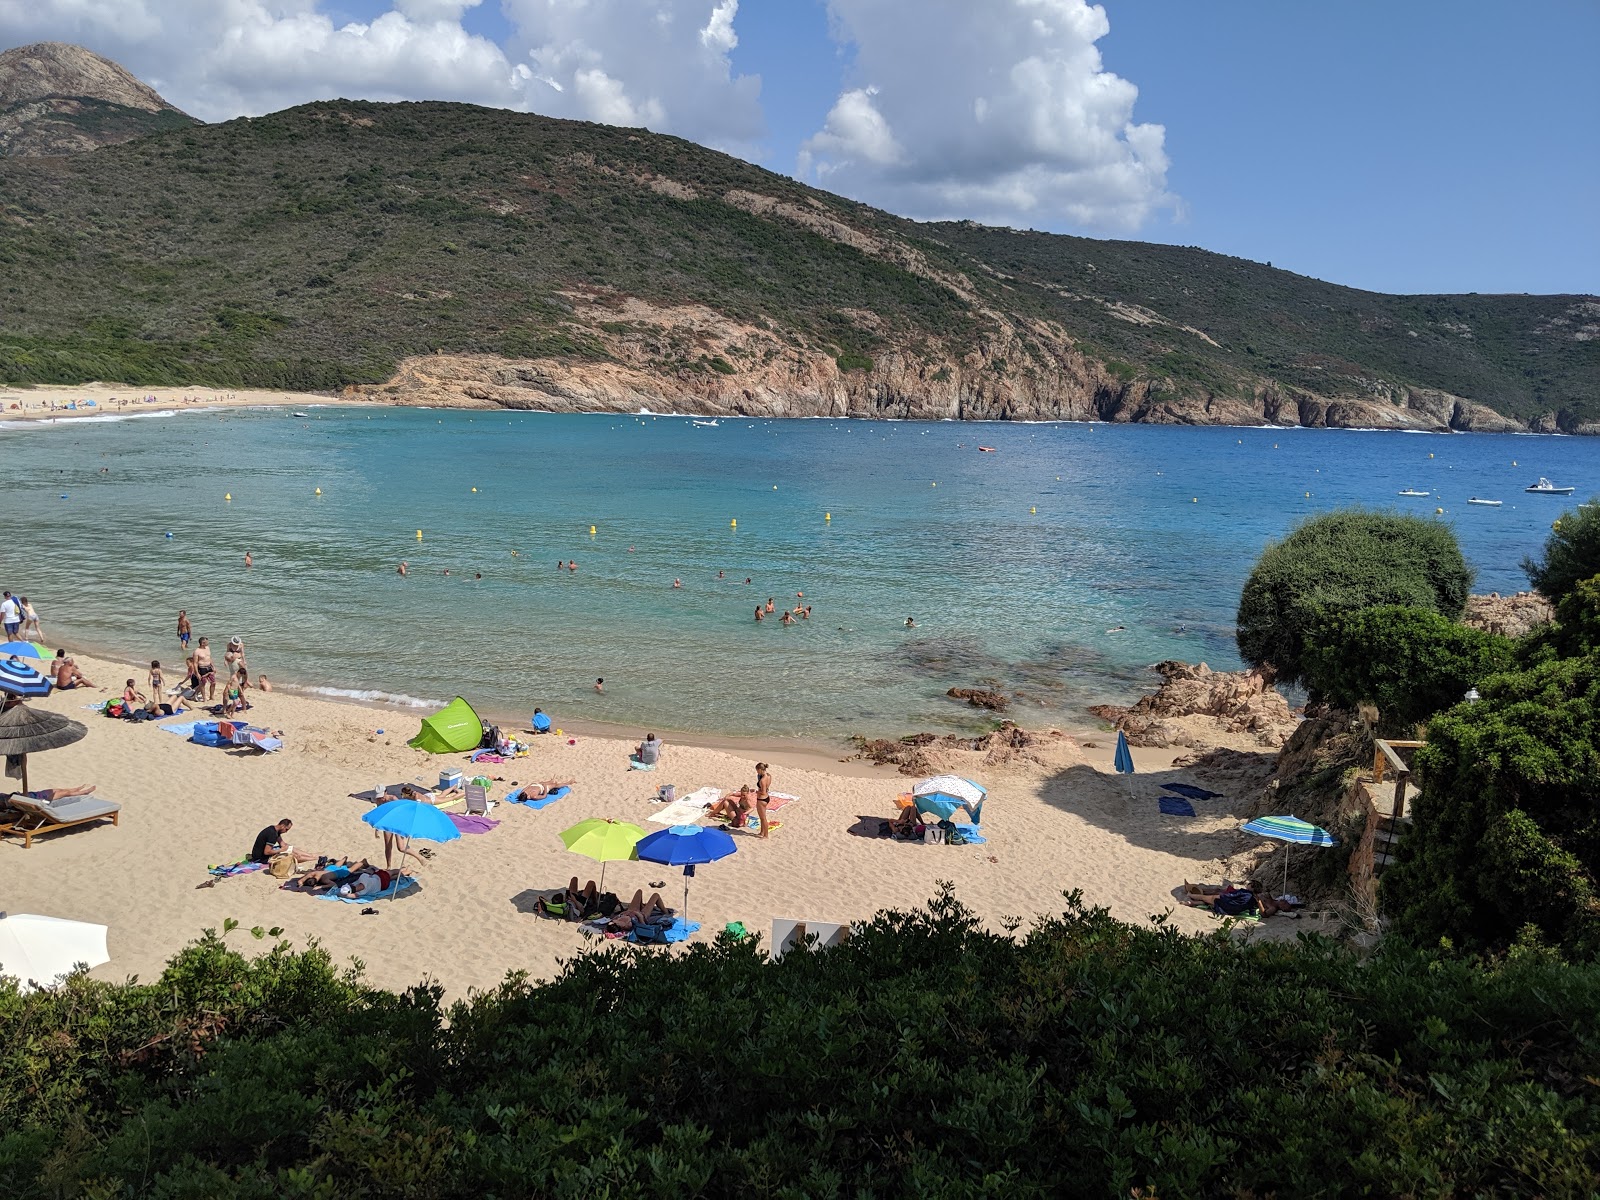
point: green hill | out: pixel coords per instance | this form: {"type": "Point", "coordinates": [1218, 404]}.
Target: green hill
{"type": "Point", "coordinates": [324, 245]}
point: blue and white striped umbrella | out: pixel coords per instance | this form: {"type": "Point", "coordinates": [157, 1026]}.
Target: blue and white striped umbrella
{"type": "Point", "coordinates": [19, 679]}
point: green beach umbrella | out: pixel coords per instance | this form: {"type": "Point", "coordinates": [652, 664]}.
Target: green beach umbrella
{"type": "Point", "coordinates": [603, 840]}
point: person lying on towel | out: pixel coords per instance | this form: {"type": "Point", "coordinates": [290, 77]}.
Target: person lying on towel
{"type": "Point", "coordinates": [538, 791]}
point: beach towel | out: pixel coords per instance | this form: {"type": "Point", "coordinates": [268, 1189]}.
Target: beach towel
{"type": "Point", "coordinates": [184, 729]}
{"type": "Point", "coordinates": [488, 756]}
{"type": "Point", "coordinates": [965, 835]}
{"type": "Point", "coordinates": [1175, 807]}
{"type": "Point", "coordinates": [680, 812]}
{"type": "Point", "coordinates": [1191, 791]}
{"type": "Point", "coordinates": [635, 765]}
{"type": "Point", "coordinates": [777, 800]}
{"type": "Point", "coordinates": [471, 823]}
{"type": "Point", "coordinates": [243, 866]}
{"type": "Point", "coordinates": [753, 822]}
{"type": "Point", "coordinates": [678, 930]}
{"type": "Point", "coordinates": [704, 797]}
{"type": "Point", "coordinates": [516, 798]}
{"type": "Point", "coordinates": [403, 886]}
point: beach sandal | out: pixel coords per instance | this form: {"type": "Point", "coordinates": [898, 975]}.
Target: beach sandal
{"type": "Point", "coordinates": [425, 852]}
{"type": "Point", "coordinates": [369, 912]}
{"type": "Point", "coordinates": [660, 885]}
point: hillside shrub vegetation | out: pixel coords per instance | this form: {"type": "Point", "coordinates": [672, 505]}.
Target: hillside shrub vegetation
{"type": "Point", "coordinates": [1410, 662]}
{"type": "Point", "coordinates": [1571, 553]}
{"type": "Point", "coordinates": [1339, 563]}
{"type": "Point", "coordinates": [925, 1056]}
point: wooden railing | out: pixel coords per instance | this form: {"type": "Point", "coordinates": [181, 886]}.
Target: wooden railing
{"type": "Point", "coordinates": [1385, 754]}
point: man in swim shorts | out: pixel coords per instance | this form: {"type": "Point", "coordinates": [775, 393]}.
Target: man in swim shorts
{"type": "Point", "coordinates": [205, 668]}
{"type": "Point", "coordinates": [183, 629]}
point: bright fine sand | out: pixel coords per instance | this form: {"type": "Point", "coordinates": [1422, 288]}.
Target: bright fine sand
{"type": "Point", "coordinates": [1056, 819]}
{"type": "Point", "coordinates": [49, 401]}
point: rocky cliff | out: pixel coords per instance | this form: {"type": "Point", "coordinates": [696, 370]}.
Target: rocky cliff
{"type": "Point", "coordinates": [57, 98]}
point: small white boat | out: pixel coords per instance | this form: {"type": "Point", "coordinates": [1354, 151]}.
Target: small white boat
{"type": "Point", "coordinates": [307, 416]}
{"type": "Point", "coordinates": [1490, 503]}
{"type": "Point", "coordinates": [1545, 488]}
{"type": "Point", "coordinates": [712, 424]}
{"type": "Point", "coordinates": [1411, 492]}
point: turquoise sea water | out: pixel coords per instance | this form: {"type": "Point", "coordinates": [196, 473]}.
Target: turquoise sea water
{"type": "Point", "coordinates": [1146, 527]}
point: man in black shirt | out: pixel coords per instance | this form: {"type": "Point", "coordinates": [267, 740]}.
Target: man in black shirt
{"type": "Point", "coordinates": [270, 843]}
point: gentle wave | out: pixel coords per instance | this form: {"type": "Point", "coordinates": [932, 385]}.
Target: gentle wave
{"type": "Point", "coordinates": [373, 696]}
{"type": "Point", "coordinates": [97, 418]}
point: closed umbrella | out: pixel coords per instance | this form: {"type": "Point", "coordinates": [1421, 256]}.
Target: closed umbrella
{"type": "Point", "coordinates": [24, 731]}
{"type": "Point", "coordinates": [411, 819]}
{"type": "Point", "coordinates": [38, 950]}
{"type": "Point", "coordinates": [19, 679]}
{"type": "Point", "coordinates": [1123, 760]}
{"type": "Point", "coordinates": [603, 840]}
{"type": "Point", "coordinates": [685, 846]}
{"type": "Point", "coordinates": [944, 794]}
{"type": "Point", "coordinates": [1292, 831]}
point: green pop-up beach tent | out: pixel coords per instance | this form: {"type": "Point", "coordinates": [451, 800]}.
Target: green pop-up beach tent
{"type": "Point", "coordinates": [452, 729]}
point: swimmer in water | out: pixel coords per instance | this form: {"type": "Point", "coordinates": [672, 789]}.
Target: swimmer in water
{"type": "Point", "coordinates": [600, 685]}
{"type": "Point", "coordinates": [402, 568]}
{"type": "Point", "coordinates": [248, 560]}
{"type": "Point", "coordinates": [677, 583]}
{"type": "Point", "coordinates": [771, 607]}
{"type": "Point", "coordinates": [788, 618]}
{"type": "Point", "coordinates": [573, 565]}
{"type": "Point", "coordinates": [910, 624]}
{"type": "Point", "coordinates": [760, 616]}
{"type": "Point", "coordinates": [719, 574]}
{"type": "Point", "coordinates": [477, 575]}
{"type": "Point", "coordinates": [1118, 629]}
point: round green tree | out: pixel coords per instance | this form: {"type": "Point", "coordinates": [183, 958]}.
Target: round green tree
{"type": "Point", "coordinates": [1571, 553]}
{"type": "Point", "coordinates": [1338, 563]}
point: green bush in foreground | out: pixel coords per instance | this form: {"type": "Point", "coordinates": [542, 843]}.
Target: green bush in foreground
{"type": "Point", "coordinates": [1571, 553]}
{"type": "Point", "coordinates": [1339, 563]}
{"type": "Point", "coordinates": [923, 1057]}
{"type": "Point", "coordinates": [1409, 662]}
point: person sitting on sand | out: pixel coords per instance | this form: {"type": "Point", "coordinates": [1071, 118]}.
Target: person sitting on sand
{"type": "Point", "coordinates": [734, 807]}
{"type": "Point", "coordinates": [132, 697]}
{"type": "Point", "coordinates": [538, 791]}
{"type": "Point", "coordinates": [270, 843]}
{"type": "Point", "coordinates": [570, 903]}
{"type": "Point", "coordinates": [648, 752]}
{"type": "Point", "coordinates": [67, 674]}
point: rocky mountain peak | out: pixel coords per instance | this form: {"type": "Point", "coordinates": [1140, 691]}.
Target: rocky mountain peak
{"type": "Point", "coordinates": [57, 98]}
{"type": "Point", "coordinates": [49, 69]}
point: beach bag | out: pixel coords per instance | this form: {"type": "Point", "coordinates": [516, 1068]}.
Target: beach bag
{"type": "Point", "coordinates": [932, 835]}
{"type": "Point", "coordinates": [668, 793]}
{"type": "Point", "coordinates": [281, 866]}
{"type": "Point", "coordinates": [116, 709]}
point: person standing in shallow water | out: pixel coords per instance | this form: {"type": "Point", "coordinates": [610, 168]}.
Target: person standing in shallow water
{"type": "Point", "coordinates": [760, 616]}
{"type": "Point", "coordinates": [184, 631]}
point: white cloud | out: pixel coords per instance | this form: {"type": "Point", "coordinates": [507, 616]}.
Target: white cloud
{"type": "Point", "coordinates": [659, 63]}
{"type": "Point", "coordinates": [1001, 111]}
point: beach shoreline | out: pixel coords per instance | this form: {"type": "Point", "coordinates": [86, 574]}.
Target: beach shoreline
{"type": "Point", "coordinates": [47, 402]}
{"type": "Point", "coordinates": [1057, 818]}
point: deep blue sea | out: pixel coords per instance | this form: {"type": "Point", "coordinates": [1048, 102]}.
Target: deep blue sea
{"type": "Point", "coordinates": [1060, 566]}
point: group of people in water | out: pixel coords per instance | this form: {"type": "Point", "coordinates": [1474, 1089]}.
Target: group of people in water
{"type": "Point", "coordinates": [800, 612]}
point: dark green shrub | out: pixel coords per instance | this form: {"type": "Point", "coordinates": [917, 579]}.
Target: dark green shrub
{"type": "Point", "coordinates": [1507, 830]}
{"type": "Point", "coordinates": [925, 1056]}
{"type": "Point", "coordinates": [852, 360]}
{"type": "Point", "coordinates": [1571, 553]}
{"type": "Point", "coordinates": [1338, 563]}
{"type": "Point", "coordinates": [1410, 662]}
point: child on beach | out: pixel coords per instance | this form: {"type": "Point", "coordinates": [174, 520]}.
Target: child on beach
{"type": "Point", "coordinates": [156, 688]}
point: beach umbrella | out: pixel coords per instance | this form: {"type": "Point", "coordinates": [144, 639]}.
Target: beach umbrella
{"type": "Point", "coordinates": [685, 846]}
{"type": "Point", "coordinates": [411, 819]}
{"type": "Point", "coordinates": [1123, 760]}
{"type": "Point", "coordinates": [603, 840]}
{"type": "Point", "coordinates": [1293, 832]}
{"type": "Point", "coordinates": [24, 650]}
{"type": "Point", "coordinates": [19, 679]}
{"type": "Point", "coordinates": [943, 794]}
{"type": "Point", "coordinates": [23, 731]}
{"type": "Point", "coordinates": [38, 949]}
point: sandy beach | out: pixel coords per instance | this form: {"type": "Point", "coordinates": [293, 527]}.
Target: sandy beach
{"type": "Point", "coordinates": [1056, 818]}
{"type": "Point", "coordinates": [48, 402]}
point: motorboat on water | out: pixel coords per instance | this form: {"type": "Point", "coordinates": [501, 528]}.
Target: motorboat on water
{"type": "Point", "coordinates": [306, 415]}
{"type": "Point", "coordinates": [987, 449]}
{"type": "Point", "coordinates": [1410, 492]}
{"type": "Point", "coordinates": [711, 424]}
{"type": "Point", "coordinates": [1489, 503]}
{"type": "Point", "coordinates": [1545, 488]}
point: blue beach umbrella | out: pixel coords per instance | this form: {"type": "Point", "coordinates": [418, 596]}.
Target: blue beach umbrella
{"type": "Point", "coordinates": [1124, 757]}
{"type": "Point", "coordinates": [944, 794]}
{"type": "Point", "coordinates": [19, 679]}
{"type": "Point", "coordinates": [411, 819]}
{"type": "Point", "coordinates": [1290, 830]}
{"type": "Point", "coordinates": [685, 846]}
{"type": "Point", "coordinates": [23, 650]}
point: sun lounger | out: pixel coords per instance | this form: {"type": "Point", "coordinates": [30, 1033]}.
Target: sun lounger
{"type": "Point", "coordinates": [254, 739]}
{"type": "Point", "coordinates": [789, 934]}
{"type": "Point", "coordinates": [41, 816]}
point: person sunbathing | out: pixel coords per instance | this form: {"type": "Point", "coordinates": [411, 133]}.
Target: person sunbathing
{"type": "Point", "coordinates": [538, 791]}
{"type": "Point", "coordinates": [639, 911]}
{"type": "Point", "coordinates": [734, 807]}
{"type": "Point", "coordinates": [1204, 895]}
{"type": "Point", "coordinates": [570, 903]}
{"type": "Point", "coordinates": [51, 795]}
{"type": "Point", "coordinates": [325, 879]}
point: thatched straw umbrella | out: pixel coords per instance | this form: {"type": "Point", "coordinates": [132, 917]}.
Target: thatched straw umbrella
{"type": "Point", "coordinates": [23, 731]}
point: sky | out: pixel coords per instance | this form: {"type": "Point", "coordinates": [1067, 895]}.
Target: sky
{"type": "Point", "coordinates": [1422, 146]}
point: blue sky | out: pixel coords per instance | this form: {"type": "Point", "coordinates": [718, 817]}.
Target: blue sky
{"type": "Point", "coordinates": [1411, 146]}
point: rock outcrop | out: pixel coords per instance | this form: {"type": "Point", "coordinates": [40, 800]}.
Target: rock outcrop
{"type": "Point", "coordinates": [1196, 704]}
{"type": "Point", "coordinates": [1509, 616]}
{"type": "Point", "coordinates": [57, 98]}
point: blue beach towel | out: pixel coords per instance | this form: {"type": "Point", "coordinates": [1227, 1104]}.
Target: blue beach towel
{"type": "Point", "coordinates": [1175, 807]}
{"type": "Point", "coordinates": [183, 729]}
{"type": "Point", "coordinates": [403, 886]}
{"type": "Point", "coordinates": [516, 798]}
{"type": "Point", "coordinates": [678, 931]}
{"type": "Point", "coordinates": [1191, 791]}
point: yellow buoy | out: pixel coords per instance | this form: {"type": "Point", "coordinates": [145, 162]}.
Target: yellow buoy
{"type": "Point", "coordinates": [1194, 500]}
{"type": "Point", "coordinates": [936, 485]}
{"type": "Point", "coordinates": [474, 489]}
{"type": "Point", "coordinates": [733, 524]}
{"type": "Point", "coordinates": [774, 487]}
{"type": "Point", "coordinates": [827, 516]}
{"type": "Point", "coordinates": [319, 490]}
{"type": "Point", "coordinates": [227, 496]}
{"type": "Point", "coordinates": [419, 535]}
{"type": "Point", "coordinates": [1439, 511]}
{"type": "Point", "coordinates": [1033, 510]}
{"type": "Point", "coordinates": [1430, 456]}
{"type": "Point", "coordinates": [591, 531]}
{"type": "Point", "coordinates": [1308, 495]}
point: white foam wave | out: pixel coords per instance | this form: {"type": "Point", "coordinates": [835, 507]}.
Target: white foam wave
{"type": "Point", "coordinates": [96, 418]}
{"type": "Point", "coordinates": [373, 696]}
